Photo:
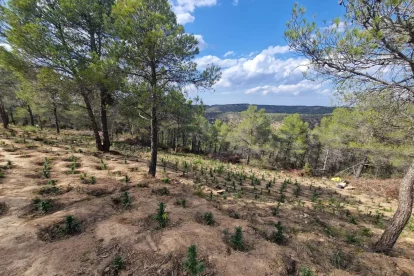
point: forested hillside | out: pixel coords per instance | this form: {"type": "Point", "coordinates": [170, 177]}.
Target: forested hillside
{"type": "Point", "coordinates": [223, 108]}
{"type": "Point", "coordinates": [103, 149]}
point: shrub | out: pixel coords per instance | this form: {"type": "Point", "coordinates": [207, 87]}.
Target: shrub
{"type": "Point", "coordinates": [307, 169]}
{"type": "Point", "coordinates": [366, 232]}
{"type": "Point", "coordinates": [304, 271]}
{"type": "Point", "coordinates": [1, 173]}
{"type": "Point", "coordinates": [103, 165]}
{"type": "Point", "coordinates": [43, 206]}
{"type": "Point", "coordinates": [49, 189]}
{"type": "Point", "coordinates": [234, 215]}
{"type": "Point", "coordinates": [352, 238]}
{"type": "Point", "coordinates": [181, 202]}
{"type": "Point", "coordinates": [126, 199]}
{"type": "Point", "coordinates": [297, 190]}
{"type": "Point", "coordinates": [278, 236]}
{"type": "Point", "coordinates": [161, 217]}
{"type": "Point", "coordinates": [208, 218]}
{"type": "Point", "coordinates": [72, 226]}
{"type": "Point", "coordinates": [236, 240]}
{"type": "Point", "coordinates": [339, 259]}
{"type": "Point", "coordinates": [191, 265]}
{"type": "Point", "coordinates": [166, 180]}
{"type": "Point", "coordinates": [275, 210]}
{"type": "Point", "coordinates": [118, 263]}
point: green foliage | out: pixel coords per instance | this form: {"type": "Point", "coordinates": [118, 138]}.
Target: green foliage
{"type": "Point", "coordinates": [161, 217]}
{"type": "Point", "coordinates": [208, 218]}
{"type": "Point", "coordinates": [339, 259]}
{"type": "Point", "coordinates": [253, 132]}
{"type": "Point", "coordinates": [275, 210]}
{"type": "Point", "coordinates": [304, 271]}
{"type": "Point", "coordinates": [43, 206]}
{"type": "Point", "coordinates": [181, 202]}
{"type": "Point", "coordinates": [118, 263]}
{"type": "Point", "coordinates": [278, 236]}
{"type": "Point", "coordinates": [72, 226]}
{"type": "Point", "coordinates": [191, 265]}
{"type": "Point", "coordinates": [126, 199]}
{"type": "Point", "coordinates": [103, 165]}
{"type": "Point", "coordinates": [236, 240]}
{"type": "Point", "coordinates": [307, 169]}
{"type": "Point", "coordinates": [292, 137]}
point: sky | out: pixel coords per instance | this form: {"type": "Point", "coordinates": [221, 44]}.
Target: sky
{"type": "Point", "coordinates": [246, 39]}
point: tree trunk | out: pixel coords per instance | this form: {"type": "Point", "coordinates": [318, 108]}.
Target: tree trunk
{"type": "Point", "coordinates": [11, 116]}
{"type": "Point", "coordinates": [56, 118]}
{"type": "Point", "coordinates": [401, 216]}
{"type": "Point", "coordinates": [326, 160]}
{"type": "Point", "coordinates": [40, 122]}
{"type": "Point", "coordinates": [360, 167]}
{"type": "Point", "coordinates": [93, 122]}
{"type": "Point", "coordinates": [29, 109]}
{"type": "Point", "coordinates": [248, 157]}
{"type": "Point", "coordinates": [4, 116]}
{"type": "Point", "coordinates": [104, 119]}
{"type": "Point", "coordinates": [154, 145]}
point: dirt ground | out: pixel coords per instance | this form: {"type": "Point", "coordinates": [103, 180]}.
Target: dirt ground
{"type": "Point", "coordinates": [326, 230]}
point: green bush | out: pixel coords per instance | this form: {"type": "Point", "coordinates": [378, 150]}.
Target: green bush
{"type": "Point", "coordinates": [191, 265]}
{"type": "Point", "coordinates": [161, 217]}
{"type": "Point", "coordinates": [118, 263]}
{"type": "Point", "coordinates": [72, 226]}
{"type": "Point", "coordinates": [278, 236]}
{"type": "Point", "coordinates": [208, 218]}
{"type": "Point", "coordinates": [304, 271]}
{"type": "Point", "coordinates": [236, 240]}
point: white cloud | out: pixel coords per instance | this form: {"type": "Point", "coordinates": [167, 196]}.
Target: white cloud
{"type": "Point", "coordinates": [293, 89]}
{"type": "Point", "coordinates": [229, 53]}
{"type": "Point", "coordinates": [201, 43]}
{"type": "Point", "coordinates": [267, 72]}
{"type": "Point", "coordinates": [206, 60]}
{"type": "Point", "coordinates": [235, 2]}
{"type": "Point", "coordinates": [184, 8]}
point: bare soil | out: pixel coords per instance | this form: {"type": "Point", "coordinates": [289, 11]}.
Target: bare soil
{"type": "Point", "coordinates": [326, 230]}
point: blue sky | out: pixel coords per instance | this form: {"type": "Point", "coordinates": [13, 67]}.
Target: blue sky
{"type": "Point", "coordinates": [245, 38]}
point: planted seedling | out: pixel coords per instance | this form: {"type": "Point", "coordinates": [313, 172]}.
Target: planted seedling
{"type": "Point", "coordinates": [72, 226]}
{"type": "Point", "coordinates": [181, 202]}
{"type": "Point", "coordinates": [276, 210]}
{"type": "Point", "coordinates": [161, 217]}
{"type": "Point", "coordinates": [236, 240]}
{"type": "Point", "coordinates": [126, 199]}
{"type": "Point", "coordinates": [304, 271]}
{"type": "Point", "coordinates": [278, 236]}
{"type": "Point", "coordinates": [191, 265]}
{"type": "Point", "coordinates": [208, 218]}
{"type": "Point", "coordinates": [127, 179]}
{"type": "Point", "coordinates": [103, 165]}
{"type": "Point", "coordinates": [118, 263]}
{"type": "Point", "coordinates": [43, 206]}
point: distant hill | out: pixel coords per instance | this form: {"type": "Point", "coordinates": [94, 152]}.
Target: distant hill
{"type": "Point", "coordinates": [224, 108]}
{"type": "Point", "coordinates": [229, 112]}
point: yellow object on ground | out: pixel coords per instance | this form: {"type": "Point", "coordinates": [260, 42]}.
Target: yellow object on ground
{"type": "Point", "coordinates": [336, 179]}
